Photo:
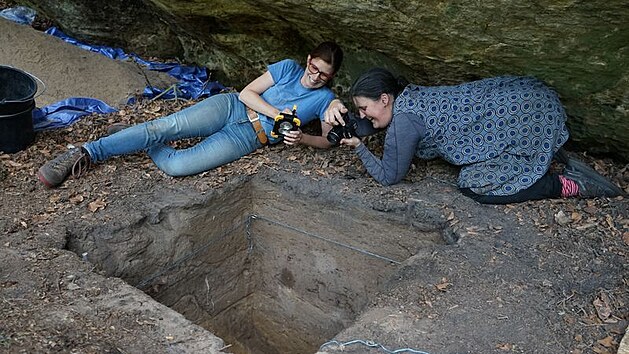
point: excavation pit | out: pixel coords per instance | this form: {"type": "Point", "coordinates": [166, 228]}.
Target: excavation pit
{"type": "Point", "coordinates": [267, 271]}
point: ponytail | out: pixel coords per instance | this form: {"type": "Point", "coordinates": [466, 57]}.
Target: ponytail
{"type": "Point", "coordinates": [374, 82]}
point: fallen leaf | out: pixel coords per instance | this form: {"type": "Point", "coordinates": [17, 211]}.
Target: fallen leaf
{"type": "Point", "coordinates": [561, 218]}
{"type": "Point", "coordinates": [586, 226]}
{"type": "Point", "coordinates": [599, 350]}
{"type": "Point", "coordinates": [73, 286]}
{"type": "Point", "coordinates": [13, 163]}
{"type": "Point", "coordinates": [505, 346]}
{"type": "Point", "coordinates": [592, 210]}
{"type": "Point", "coordinates": [601, 304]}
{"type": "Point", "coordinates": [607, 342]}
{"type": "Point", "coordinates": [576, 216]}
{"type": "Point", "coordinates": [610, 221]}
{"type": "Point", "coordinates": [77, 199]}
{"type": "Point", "coordinates": [444, 285]}
{"type": "Point", "coordinates": [98, 204]}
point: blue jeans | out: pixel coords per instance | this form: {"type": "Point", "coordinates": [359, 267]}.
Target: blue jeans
{"type": "Point", "coordinates": [221, 119]}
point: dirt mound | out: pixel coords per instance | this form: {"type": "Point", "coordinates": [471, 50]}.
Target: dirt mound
{"type": "Point", "coordinates": [69, 71]}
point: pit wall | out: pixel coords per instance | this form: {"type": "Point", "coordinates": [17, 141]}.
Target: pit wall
{"type": "Point", "coordinates": [265, 269]}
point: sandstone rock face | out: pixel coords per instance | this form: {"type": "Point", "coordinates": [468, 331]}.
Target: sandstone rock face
{"type": "Point", "coordinates": [580, 48]}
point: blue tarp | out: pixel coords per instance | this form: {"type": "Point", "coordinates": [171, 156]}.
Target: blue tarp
{"type": "Point", "coordinates": [66, 112]}
{"type": "Point", "coordinates": [19, 14]}
{"type": "Point", "coordinates": [194, 81]}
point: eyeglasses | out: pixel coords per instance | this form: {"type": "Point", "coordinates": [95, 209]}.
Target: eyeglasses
{"type": "Point", "coordinates": [313, 70]}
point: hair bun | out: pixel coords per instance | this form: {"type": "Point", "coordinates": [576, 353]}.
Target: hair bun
{"type": "Point", "coordinates": [402, 82]}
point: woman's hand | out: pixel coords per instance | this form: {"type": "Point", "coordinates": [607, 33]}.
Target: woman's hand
{"type": "Point", "coordinates": [353, 142]}
{"type": "Point", "coordinates": [334, 113]}
{"type": "Point", "coordinates": [293, 137]}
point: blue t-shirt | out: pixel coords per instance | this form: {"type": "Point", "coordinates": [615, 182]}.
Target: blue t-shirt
{"type": "Point", "coordinates": [288, 91]}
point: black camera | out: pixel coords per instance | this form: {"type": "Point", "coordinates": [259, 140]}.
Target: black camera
{"type": "Point", "coordinates": [285, 122]}
{"type": "Point", "coordinates": [346, 131]}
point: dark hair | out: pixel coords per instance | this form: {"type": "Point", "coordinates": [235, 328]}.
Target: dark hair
{"type": "Point", "coordinates": [374, 82]}
{"type": "Point", "coordinates": [329, 52]}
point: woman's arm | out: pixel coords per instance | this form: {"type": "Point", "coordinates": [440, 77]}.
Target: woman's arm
{"type": "Point", "coordinates": [250, 95]}
{"type": "Point", "coordinates": [400, 144]}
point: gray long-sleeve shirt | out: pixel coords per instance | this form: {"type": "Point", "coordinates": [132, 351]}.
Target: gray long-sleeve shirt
{"type": "Point", "coordinates": [403, 135]}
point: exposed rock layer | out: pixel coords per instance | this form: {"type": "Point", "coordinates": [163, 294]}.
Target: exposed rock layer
{"type": "Point", "coordinates": [577, 47]}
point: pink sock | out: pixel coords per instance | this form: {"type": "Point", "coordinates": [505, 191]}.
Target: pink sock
{"type": "Point", "coordinates": [569, 188]}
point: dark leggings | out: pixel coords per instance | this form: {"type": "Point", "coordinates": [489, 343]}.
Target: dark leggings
{"type": "Point", "coordinates": [548, 186]}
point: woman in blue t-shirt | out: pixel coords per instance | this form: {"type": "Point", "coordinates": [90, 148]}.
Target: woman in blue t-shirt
{"type": "Point", "coordinates": [503, 132]}
{"type": "Point", "coordinates": [232, 125]}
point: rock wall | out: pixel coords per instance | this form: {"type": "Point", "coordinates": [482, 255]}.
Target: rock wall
{"type": "Point", "coordinates": [578, 47]}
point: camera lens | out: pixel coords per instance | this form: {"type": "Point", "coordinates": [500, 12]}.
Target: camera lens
{"type": "Point", "coordinates": [333, 137]}
{"type": "Point", "coordinates": [284, 128]}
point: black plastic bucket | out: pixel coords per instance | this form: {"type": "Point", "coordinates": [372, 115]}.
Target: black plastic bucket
{"type": "Point", "coordinates": [17, 101]}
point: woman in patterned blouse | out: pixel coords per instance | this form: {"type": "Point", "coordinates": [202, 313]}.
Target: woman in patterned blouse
{"type": "Point", "coordinates": [503, 132]}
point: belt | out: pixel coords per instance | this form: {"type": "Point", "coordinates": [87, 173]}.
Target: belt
{"type": "Point", "coordinates": [254, 118]}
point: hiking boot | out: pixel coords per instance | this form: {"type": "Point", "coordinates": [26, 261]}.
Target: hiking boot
{"type": "Point", "coordinates": [75, 161]}
{"type": "Point", "coordinates": [591, 183]}
{"type": "Point", "coordinates": [116, 127]}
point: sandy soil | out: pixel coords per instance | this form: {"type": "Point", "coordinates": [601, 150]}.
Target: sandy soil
{"type": "Point", "coordinates": [69, 71]}
{"type": "Point", "coordinates": [537, 277]}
